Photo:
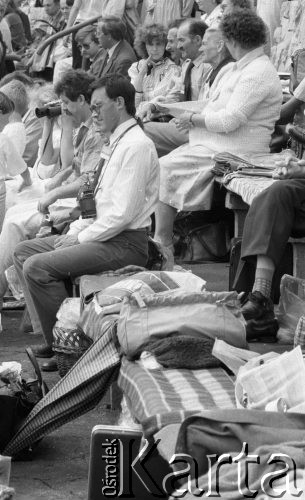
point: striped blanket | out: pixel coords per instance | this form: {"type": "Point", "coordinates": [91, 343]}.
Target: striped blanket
{"type": "Point", "coordinates": [160, 397]}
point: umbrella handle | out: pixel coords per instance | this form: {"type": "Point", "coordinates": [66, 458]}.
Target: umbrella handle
{"type": "Point", "coordinates": [33, 360]}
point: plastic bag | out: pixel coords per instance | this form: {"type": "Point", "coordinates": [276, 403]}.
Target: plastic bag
{"type": "Point", "coordinates": [14, 283]}
{"type": "Point", "coordinates": [291, 307]}
{"type": "Point", "coordinates": [68, 313]}
{"type": "Point", "coordinates": [270, 377]}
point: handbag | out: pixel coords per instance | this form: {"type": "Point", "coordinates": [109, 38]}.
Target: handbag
{"type": "Point", "coordinates": [16, 407]}
{"type": "Point", "coordinates": [200, 237]}
{"type": "Point", "coordinates": [180, 312]}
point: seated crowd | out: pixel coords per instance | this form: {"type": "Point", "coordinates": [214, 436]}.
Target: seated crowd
{"type": "Point", "coordinates": [105, 125]}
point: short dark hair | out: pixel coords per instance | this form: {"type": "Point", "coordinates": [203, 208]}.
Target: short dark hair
{"type": "Point", "coordinates": [17, 75]}
{"type": "Point", "coordinates": [74, 83]}
{"type": "Point", "coordinates": [242, 4]}
{"type": "Point", "coordinates": [196, 27]}
{"type": "Point", "coordinates": [6, 105]}
{"type": "Point", "coordinates": [115, 27]}
{"type": "Point", "coordinates": [176, 23]}
{"type": "Point", "coordinates": [117, 85]}
{"type": "Point", "coordinates": [245, 27]}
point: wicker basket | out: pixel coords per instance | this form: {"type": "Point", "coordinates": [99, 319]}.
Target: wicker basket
{"type": "Point", "coordinates": [69, 346]}
{"type": "Point", "coordinates": [67, 358]}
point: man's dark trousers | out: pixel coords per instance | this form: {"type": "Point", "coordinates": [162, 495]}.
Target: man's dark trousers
{"type": "Point", "coordinates": [42, 270]}
{"type": "Point", "coordinates": [275, 214]}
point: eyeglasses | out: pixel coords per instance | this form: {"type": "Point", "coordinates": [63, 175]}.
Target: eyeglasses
{"type": "Point", "coordinates": [96, 108]}
{"type": "Point", "coordinates": [85, 46]}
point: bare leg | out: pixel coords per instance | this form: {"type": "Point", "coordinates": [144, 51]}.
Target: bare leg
{"type": "Point", "coordinates": [165, 217]}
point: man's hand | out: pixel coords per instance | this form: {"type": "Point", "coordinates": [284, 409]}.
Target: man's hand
{"type": "Point", "coordinates": [290, 168]}
{"type": "Point", "coordinates": [45, 201]}
{"type": "Point", "coordinates": [66, 120]}
{"type": "Point", "coordinates": [183, 122]}
{"type": "Point", "coordinates": [144, 112]}
{"type": "Point", "coordinates": [65, 241]}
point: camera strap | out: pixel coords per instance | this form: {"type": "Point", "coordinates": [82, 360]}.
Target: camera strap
{"type": "Point", "coordinates": [100, 166]}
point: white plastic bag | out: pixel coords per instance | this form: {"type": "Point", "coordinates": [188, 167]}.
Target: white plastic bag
{"type": "Point", "coordinates": [272, 376]}
{"type": "Point", "coordinates": [68, 313]}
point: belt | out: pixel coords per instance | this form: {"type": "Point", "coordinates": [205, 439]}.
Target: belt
{"type": "Point", "coordinates": [139, 230]}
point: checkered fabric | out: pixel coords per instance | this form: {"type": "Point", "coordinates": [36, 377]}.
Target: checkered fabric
{"type": "Point", "coordinates": [160, 397]}
{"type": "Point", "coordinates": [70, 340]}
{"type": "Point", "coordinates": [78, 392]}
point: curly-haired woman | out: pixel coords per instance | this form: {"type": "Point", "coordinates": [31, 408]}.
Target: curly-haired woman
{"type": "Point", "coordinates": [239, 116]}
{"type": "Point", "coordinates": [154, 74]}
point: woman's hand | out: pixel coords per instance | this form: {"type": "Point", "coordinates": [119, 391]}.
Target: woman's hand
{"type": "Point", "coordinates": [26, 180]}
{"type": "Point", "coordinates": [184, 121]}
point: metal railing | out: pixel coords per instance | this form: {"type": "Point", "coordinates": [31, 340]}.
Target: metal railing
{"type": "Point", "coordinates": [41, 47]}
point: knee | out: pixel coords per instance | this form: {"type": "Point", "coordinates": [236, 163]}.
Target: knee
{"type": "Point", "coordinates": [31, 268]}
{"type": "Point", "coordinates": [275, 196]}
{"type": "Point", "coordinates": [19, 254]}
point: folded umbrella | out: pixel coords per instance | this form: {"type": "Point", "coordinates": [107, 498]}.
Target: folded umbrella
{"type": "Point", "coordinates": [78, 392]}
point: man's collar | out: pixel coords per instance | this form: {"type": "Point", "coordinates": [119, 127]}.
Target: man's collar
{"type": "Point", "coordinates": [111, 51]}
{"type": "Point", "coordinates": [197, 62]}
{"type": "Point", "coordinates": [121, 129]}
{"type": "Point", "coordinates": [249, 57]}
{"type": "Point", "coordinates": [87, 123]}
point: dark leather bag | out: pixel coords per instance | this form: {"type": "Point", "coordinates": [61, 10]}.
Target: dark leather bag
{"type": "Point", "coordinates": [15, 408]}
{"type": "Point", "coordinates": [201, 237]}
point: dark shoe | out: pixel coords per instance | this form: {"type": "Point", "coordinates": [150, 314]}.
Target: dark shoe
{"type": "Point", "coordinates": [257, 307]}
{"type": "Point", "coordinates": [262, 330]}
{"type": "Point", "coordinates": [43, 351]}
{"type": "Point", "coordinates": [50, 366]}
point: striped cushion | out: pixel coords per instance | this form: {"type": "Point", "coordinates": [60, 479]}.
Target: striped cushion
{"type": "Point", "coordinates": [161, 397]}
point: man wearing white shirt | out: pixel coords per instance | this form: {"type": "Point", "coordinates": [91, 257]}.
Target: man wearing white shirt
{"type": "Point", "coordinates": [125, 196]}
{"type": "Point", "coordinates": [187, 87]}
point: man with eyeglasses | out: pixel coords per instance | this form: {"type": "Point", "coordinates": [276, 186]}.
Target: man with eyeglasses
{"type": "Point", "coordinates": [79, 153]}
{"type": "Point", "coordinates": [125, 195]}
{"type": "Point", "coordinates": [88, 43]}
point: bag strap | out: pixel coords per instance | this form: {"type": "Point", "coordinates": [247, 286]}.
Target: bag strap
{"type": "Point", "coordinates": [204, 244]}
{"type": "Point", "coordinates": [297, 133]}
{"type": "Point", "coordinates": [36, 367]}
